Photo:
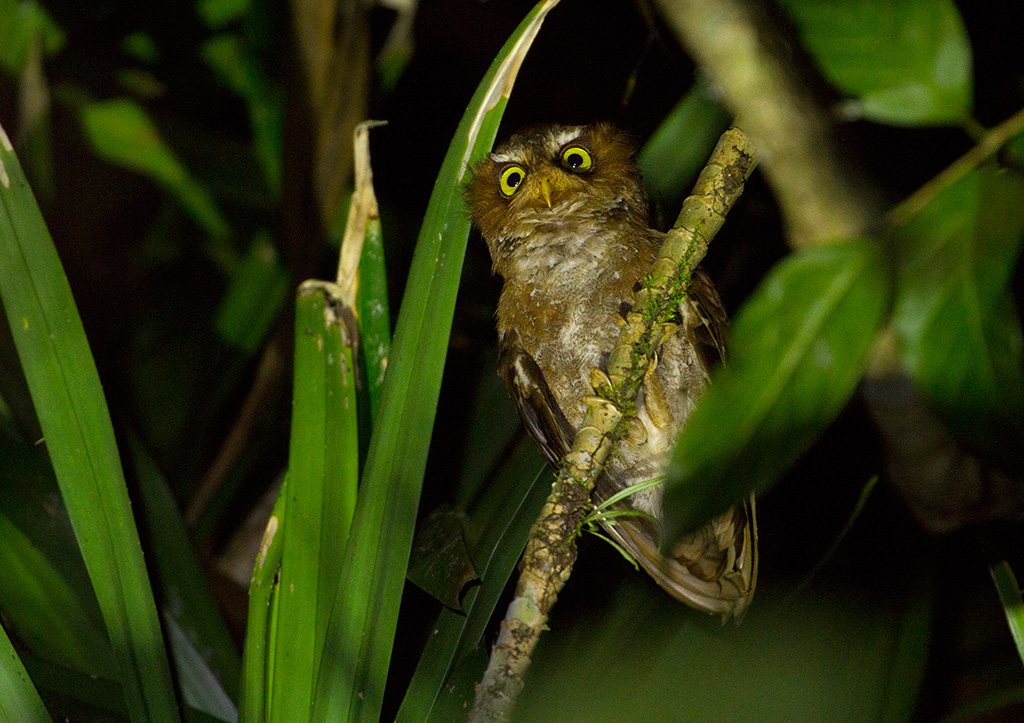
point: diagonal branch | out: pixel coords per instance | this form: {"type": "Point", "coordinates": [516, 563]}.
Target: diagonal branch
{"type": "Point", "coordinates": [551, 549]}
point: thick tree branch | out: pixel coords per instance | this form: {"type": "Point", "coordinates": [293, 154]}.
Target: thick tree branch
{"type": "Point", "coordinates": [551, 549]}
{"type": "Point", "coordinates": [820, 199]}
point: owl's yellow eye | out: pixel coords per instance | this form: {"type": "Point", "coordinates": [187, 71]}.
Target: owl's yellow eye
{"type": "Point", "coordinates": [510, 179]}
{"type": "Point", "coordinates": [576, 158]}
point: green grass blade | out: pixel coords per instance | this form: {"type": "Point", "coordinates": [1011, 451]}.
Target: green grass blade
{"type": "Point", "coordinates": [1009, 595]}
{"type": "Point", "coordinates": [186, 593]}
{"type": "Point", "coordinates": [120, 131]}
{"type": "Point", "coordinates": [262, 592]}
{"type": "Point", "coordinates": [40, 607]}
{"type": "Point", "coordinates": [323, 472]}
{"type": "Point", "coordinates": [293, 664]}
{"type": "Point", "coordinates": [519, 492]}
{"type": "Point", "coordinates": [19, 699]}
{"type": "Point", "coordinates": [374, 314]}
{"type": "Point", "coordinates": [355, 663]}
{"type": "Point", "coordinates": [79, 437]}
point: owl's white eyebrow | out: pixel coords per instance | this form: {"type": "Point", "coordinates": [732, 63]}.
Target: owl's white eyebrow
{"type": "Point", "coordinates": [559, 140]}
{"type": "Point", "coordinates": [502, 157]}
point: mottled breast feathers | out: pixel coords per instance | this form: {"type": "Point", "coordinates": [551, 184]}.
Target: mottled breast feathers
{"type": "Point", "coordinates": [564, 212]}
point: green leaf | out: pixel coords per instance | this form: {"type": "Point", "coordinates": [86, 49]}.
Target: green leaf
{"type": "Point", "coordinates": [235, 66]}
{"type": "Point", "coordinates": [374, 315]}
{"type": "Point", "coordinates": [503, 520]}
{"type": "Point", "coordinates": [21, 25]}
{"type": "Point", "coordinates": [906, 63]}
{"type": "Point", "coordinates": [120, 131]}
{"type": "Point", "coordinates": [321, 481]}
{"type": "Point", "coordinates": [258, 289]}
{"type": "Point", "coordinates": [954, 314]}
{"type": "Point", "coordinates": [259, 632]}
{"type": "Point", "coordinates": [355, 663]}
{"type": "Point", "coordinates": [828, 655]}
{"type": "Point", "coordinates": [440, 564]}
{"type": "Point", "coordinates": [676, 152]}
{"type": "Point", "coordinates": [19, 699]}
{"type": "Point", "coordinates": [799, 346]}
{"type": "Point", "coordinates": [186, 597]}
{"type": "Point", "coordinates": [200, 687]}
{"type": "Point", "coordinates": [79, 437]}
{"type": "Point", "coordinates": [141, 46]}
{"type": "Point", "coordinates": [218, 13]}
{"type": "Point", "coordinates": [41, 608]}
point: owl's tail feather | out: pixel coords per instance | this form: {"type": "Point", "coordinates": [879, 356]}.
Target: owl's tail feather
{"type": "Point", "coordinates": [713, 570]}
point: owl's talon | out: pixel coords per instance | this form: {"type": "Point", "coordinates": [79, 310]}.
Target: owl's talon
{"type": "Point", "coordinates": [636, 434]}
{"type": "Point", "coordinates": [599, 381]}
{"type": "Point", "coordinates": [657, 406]}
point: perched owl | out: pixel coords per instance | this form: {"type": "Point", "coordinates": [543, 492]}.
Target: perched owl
{"type": "Point", "coordinates": [564, 212]}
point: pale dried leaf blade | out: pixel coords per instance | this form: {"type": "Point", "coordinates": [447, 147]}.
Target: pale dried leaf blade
{"type": "Point", "coordinates": [504, 79]}
{"type": "Point", "coordinates": [362, 209]}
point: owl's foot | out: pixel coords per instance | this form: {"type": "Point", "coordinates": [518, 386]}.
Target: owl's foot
{"type": "Point", "coordinates": [657, 406]}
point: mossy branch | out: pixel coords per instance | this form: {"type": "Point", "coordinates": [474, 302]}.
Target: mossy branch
{"type": "Point", "coordinates": [551, 549]}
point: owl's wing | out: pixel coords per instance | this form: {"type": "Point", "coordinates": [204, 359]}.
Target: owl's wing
{"type": "Point", "coordinates": [533, 399]}
{"type": "Point", "coordinates": [704, 317]}
{"type": "Point", "coordinates": [713, 570]}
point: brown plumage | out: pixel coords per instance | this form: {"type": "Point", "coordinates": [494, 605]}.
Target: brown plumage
{"type": "Point", "coordinates": [564, 213]}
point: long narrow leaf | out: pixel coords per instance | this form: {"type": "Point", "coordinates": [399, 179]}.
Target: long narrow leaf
{"type": "Point", "coordinates": [19, 699]}
{"type": "Point", "coordinates": [262, 590]}
{"type": "Point", "coordinates": [42, 609]}
{"type": "Point", "coordinates": [79, 437]}
{"type": "Point", "coordinates": [360, 639]}
{"type": "Point", "coordinates": [186, 594]}
{"type": "Point", "coordinates": [519, 492]}
{"type": "Point", "coordinates": [295, 639]}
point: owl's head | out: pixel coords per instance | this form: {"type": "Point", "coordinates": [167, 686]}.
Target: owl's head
{"type": "Point", "coordinates": [554, 179]}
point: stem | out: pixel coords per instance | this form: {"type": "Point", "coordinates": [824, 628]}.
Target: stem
{"type": "Point", "coordinates": [551, 549]}
{"type": "Point", "coordinates": [987, 146]}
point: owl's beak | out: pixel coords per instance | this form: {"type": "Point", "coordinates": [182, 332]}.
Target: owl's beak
{"type": "Point", "coordinates": [545, 189]}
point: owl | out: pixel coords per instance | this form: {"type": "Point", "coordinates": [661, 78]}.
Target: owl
{"type": "Point", "coordinates": [564, 212]}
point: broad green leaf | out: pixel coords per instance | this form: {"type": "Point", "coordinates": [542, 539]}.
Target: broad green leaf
{"type": "Point", "coordinates": [503, 520]}
{"type": "Point", "coordinates": [41, 608]}
{"type": "Point", "coordinates": [30, 499]}
{"type": "Point", "coordinates": [19, 699]}
{"type": "Point", "coordinates": [799, 345]}
{"type": "Point", "coordinates": [493, 426]}
{"type": "Point", "coordinates": [258, 289]}
{"type": "Point", "coordinates": [676, 152]}
{"type": "Point", "coordinates": [120, 132]}
{"type": "Point", "coordinates": [954, 314]}
{"type": "Point", "coordinates": [906, 63]}
{"type": "Point", "coordinates": [79, 438]}
{"type": "Point", "coordinates": [360, 640]}
{"type": "Point", "coordinates": [66, 688]}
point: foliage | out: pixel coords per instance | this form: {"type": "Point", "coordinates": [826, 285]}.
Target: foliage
{"type": "Point", "coordinates": [184, 209]}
